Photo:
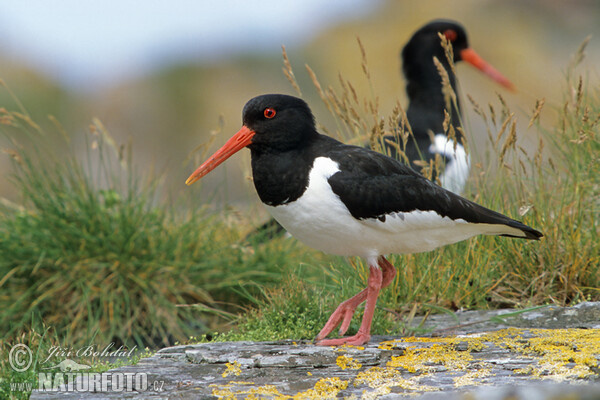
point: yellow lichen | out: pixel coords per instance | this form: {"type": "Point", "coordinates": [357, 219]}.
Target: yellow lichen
{"type": "Point", "coordinates": [347, 362]}
{"type": "Point", "coordinates": [562, 354]}
{"type": "Point", "coordinates": [346, 346]}
{"type": "Point", "coordinates": [325, 388]}
{"type": "Point", "coordinates": [232, 369]}
{"type": "Point", "coordinates": [558, 354]}
{"type": "Point", "coordinates": [383, 379]}
{"type": "Point", "coordinates": [425, 359]}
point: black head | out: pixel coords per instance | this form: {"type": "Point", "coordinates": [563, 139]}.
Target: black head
{"type": "Point", "coordinates": [418, 53]}
{"type": "Point", "coordinates": [279, 121]}
{"type": "Point", "coordinates": [426, 43]}
{"type": "Point", "coordinates": [272, 123]}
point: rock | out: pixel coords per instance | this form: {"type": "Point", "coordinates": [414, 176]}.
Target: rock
{"type": "Point", "coordinates": [547, 353]}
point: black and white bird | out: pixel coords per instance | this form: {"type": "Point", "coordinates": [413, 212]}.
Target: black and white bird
{"type": "Point", "coordinates": [424, 88]}
{"type": "Point", "coordinates": [348, 200]}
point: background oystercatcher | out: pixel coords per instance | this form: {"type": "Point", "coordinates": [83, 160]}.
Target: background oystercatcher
{"type": "Point", "coordinates": [349, 200]}
{"type": "Point", "coordinates": [427, 101]}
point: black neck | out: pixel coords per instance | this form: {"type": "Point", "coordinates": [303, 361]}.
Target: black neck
{"type": "Point", "coordinates": [426, 99]}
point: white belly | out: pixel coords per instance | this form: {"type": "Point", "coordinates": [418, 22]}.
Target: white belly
{"type": "Point", "coordinates": [320, 220]}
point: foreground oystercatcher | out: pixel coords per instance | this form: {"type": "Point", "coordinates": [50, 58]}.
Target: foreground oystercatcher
{"type": "Point", "coordinates": [425, 112]}
{"type": "Point", "coordinates": [349, 200]}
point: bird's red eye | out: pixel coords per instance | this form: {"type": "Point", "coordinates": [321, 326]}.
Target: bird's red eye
{"type": "Point", "coordinates": [450, 34]}
{"type": "Point", "coordinates": [269, 112]}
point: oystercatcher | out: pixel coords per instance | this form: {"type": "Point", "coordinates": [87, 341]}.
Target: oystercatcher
{"type": "Point", "coordinates": [349, 200]}
{"type": "Point", "coordinates": [427, 101]}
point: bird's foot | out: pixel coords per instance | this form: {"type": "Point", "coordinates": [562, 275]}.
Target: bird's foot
{"type": "Point", "coordinates": [342, 314]}
{"type": "Point", "coordinates": [356, 340]}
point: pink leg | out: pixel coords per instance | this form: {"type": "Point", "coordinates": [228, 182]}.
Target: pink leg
{"type": "Point", "coordinates": [345, 310]}
{"type": "Point", "coordinates": [389, 272]}
{"type": "Point", "coordinates": [364, 332]}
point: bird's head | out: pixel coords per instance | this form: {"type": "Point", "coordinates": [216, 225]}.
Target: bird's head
{"type": "Point", "coordinates": [426, 44]}
{"type": "Point", "coordinates": [271, 122]}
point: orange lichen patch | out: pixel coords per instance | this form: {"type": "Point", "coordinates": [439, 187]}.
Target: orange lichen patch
{"type": "Point", "coordinates": [383, 379]}
{"type": "Point", "coordinates": [232, 369]}
{"type": "Point", "coordinates": [347, 362]}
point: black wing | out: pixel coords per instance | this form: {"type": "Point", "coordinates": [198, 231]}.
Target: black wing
{"type": "Point", "coordinates": [371, 185]}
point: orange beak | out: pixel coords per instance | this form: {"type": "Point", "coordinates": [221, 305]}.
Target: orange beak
{"type": "Point", "coordinates": [470, 56]}
{"type": "Point", "coordinates": [237, 142]}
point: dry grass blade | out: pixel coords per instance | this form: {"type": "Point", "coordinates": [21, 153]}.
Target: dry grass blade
{"type": "Point", "coordinates": [199, 152]}
{"type": "Point", "coordinates": [289, 72]}
{"type": "Point", "coordinates": [539, 154]}
{"type": "Point", "coordinates": [492, 113]}
{"type": "Point", "coordinates": [578, 96]}
{"type": "Point", "coordinates": [448, 51]}
{"type": "Point", "coordinates": [578, 57]}
{"type": "Point", "coordinates": [363, 56]}
{"type": "Point", "coordinates": [14, 97]}
{"type": "Point", "coordinates": [505, 108]}
{"type": "Point", "coordinates": [478, 110]}
{"type": "Point", "coordinates": [447, 91]}
{"type": "Point", "coordinates": [539, 104]}
{"type": "Point", "coordinates": [510, 142]}
{"type": "Point", "coordinates": [315, 81]}
{"type": "Point", "coordinates": [60, 128]}
{"type": "Point", "coordinates": [14, 155]}
{"type": "Point", "coordinates": [503, 129]}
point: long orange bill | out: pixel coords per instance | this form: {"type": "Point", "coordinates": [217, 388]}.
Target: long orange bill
{"type": "Point", "coordinates": [237, 142]}
{"type": "Point", "coordinates": [470, 56]}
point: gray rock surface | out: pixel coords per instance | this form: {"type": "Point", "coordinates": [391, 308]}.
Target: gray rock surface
{"type": "Point", "coordinates": [546, 353]}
